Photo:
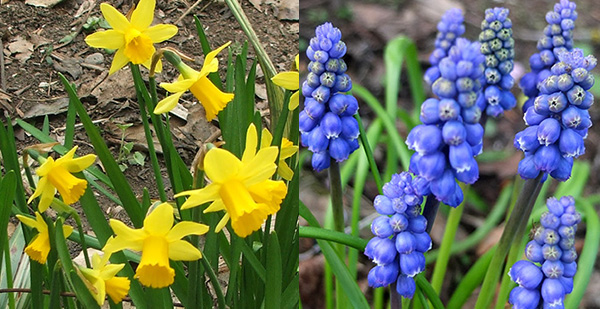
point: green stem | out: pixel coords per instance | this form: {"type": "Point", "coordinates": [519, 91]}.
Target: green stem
{"type": "Point", "coordinates": [442, 262]}
{"type": "Point", "coordinates": [481, 232]}
{"type": "Point", "coordinates": [149, 140]}
{"type": "Point", "coordinates": [82, 239]}
{"type": "Point", "coordinates": [215, 282]}
{"type": "Point", "coordinates": [337, 206]}
{"type": "Point", "coordinates": [506, 285]}
{"type": "Point", "coordinates": [518, 217]}
{"type": "Point", "coordinates": [430, 211]}
{"type": "Point", "coordinates": [9, 276]}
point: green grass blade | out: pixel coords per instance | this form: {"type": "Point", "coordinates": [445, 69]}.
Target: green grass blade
{"type": "Point", "coordinates": [8, 185]}
{"type": "Point", "coordinates": [338, 267]}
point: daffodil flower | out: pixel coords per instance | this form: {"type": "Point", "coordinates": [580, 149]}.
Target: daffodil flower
{"type": "Point", "coordinates": [57, 175]}
{"type": "Point", "coordinates": [242, 188]}
{"type": "Point", "coordinates": [288, 149]}
{"type": "Point", "coordinates": [133, 39]}
{"type": "Point", "coordinates": [103, 280]}
{"type": "Point", "coordinates": [159, 241]}
{"type": "Point", "coordinates": [39, 247]}
{"type": "Point", "coordinates": [290, 81]}
{"type": "Point", "coordinates": [212, 98]}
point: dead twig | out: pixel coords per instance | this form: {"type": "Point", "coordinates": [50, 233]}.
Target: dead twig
{"type": "Point", "coordinates": [2, 73]}
{"type": "Point", "coordinates": [189, 10]}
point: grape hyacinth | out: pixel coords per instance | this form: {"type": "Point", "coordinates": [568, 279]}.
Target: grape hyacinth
{"type": "Point", "coordinates": [547, 276]}
{"type": "Point", "coordinates": [327, 125]}
{"type": "Point", "coordinates": [497, 45]}
{"type": "Point", "coordinates": [558, 121]}
{"type": "Point", "coordinates": [449, 28]}
{"type": "Point", "coordinates": [450, 136]}
{"type": "Point", "coordinates": [558, 38]}
{"type": "Point", "coordinates": [400, 237]}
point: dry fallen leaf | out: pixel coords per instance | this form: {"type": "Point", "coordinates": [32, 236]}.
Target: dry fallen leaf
{"type": "Point", "coordinates": [21, 48]}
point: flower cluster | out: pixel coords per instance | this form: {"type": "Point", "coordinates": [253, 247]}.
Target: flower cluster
{"type": "Point", "coordinates": [551, 266]}
{"type": "Point", "coordinates": [558, 38]}
{"type": "Point", "coordinates": [327, 124]}
{"type": "Point", "coordinates": [401, 237]}
{"type": "Point", "coordinates": [497, 45]}
{"type": "Point", "coordinates": [558, 120]}
{"type": "Point", "coordinates": [450, 136]}
{"type": "Point", "coordinates": [449, 29]}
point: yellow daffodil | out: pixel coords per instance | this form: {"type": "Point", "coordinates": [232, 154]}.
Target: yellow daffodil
{"type": "Point", "coordinates": [133, 39]}
{"type": "Point", "coordinates": [212, 98]}
{"type": "Point", "coordinates": [39, 247]}
{"type": "Point", "coordinates": [290, 81]}
{"type": "Point", "coordinates": [103, 280]}
{"type": "Point", "coordinates": [57, 175]}
{"type": "Point", "coordinates": [287, 150]}
{"type": "Point", "coordinates": [242, 188]}
{"type": "Point", "coordinates": [159, 241]}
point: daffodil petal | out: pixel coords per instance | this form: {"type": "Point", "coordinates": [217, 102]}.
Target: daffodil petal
{"type": "Point", "coordinates": [110, 270]}
{"type": "Point", "coordinates": [185, 228]}
{"type": "Point", "coordinates": [111, 39]}
{"type": "Point", "coordinates": [265, 138]}
{"type": "Point", "coordinates": [126, 237]}
{"type": "Point", "coordinates": [161, 32]}
{"type": "Point", "coordinates": [217, 205]}
{"type": "Point", "coordinates": [160, 220]}
{"type": "Point", "coordinates": [114, 18]}
{"type": "Point", "coordinates": [209, 64]}
{"type": "Point", "coordinates": [287, 152]}
{"type": "Point", "coordinates": [143, 14]}
{"type": "Point", "coordinates": [28, 221]}
{"type": "Point", "coordinates": [294, 101]}
{"type": "Point", "coordinates": [251, 143]}
{"type": "Point", "coordinates": [46, 167]}
{"type": "Point", "coordinates": [220, 164]}
{"type": "Point", "coordinates": [287, 80]}
{"type": "Point", "coordinates": [200, 196]}
{"type": "Point", "coordinates": [79, 164]}
{"type": "Point", "coordinates": [119, 61]}
{"type": "Point", "coordinates": [167, 104]}
{"type": "Point", "coordinates": [100, 293]}
{"type": "Point", "coordinates": [222, 223]}
{"type": "Point", "coordinates": [181, 250]}
{"type": "Point", "coordinates": [261, 167]}
{"type": "Point", "coordinates": [39, 189]}
{"type": "Point", "coordinates": [178, 86]}
{"type": "Point", "coordinates": [48, 192]}
{"type": "Point", "coordinates": [67, 230]}
{"type": "Point", "coordinates": [285, 171]}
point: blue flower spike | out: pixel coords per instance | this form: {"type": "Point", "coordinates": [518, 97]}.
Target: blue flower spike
{"type": "Point", "coordinates": [449, 28]}
{"type": "Point", "coordinates": [450, 137]}
{"type": "Point", "coordinates": [557, 38]}
{"type": "Point", "coordinates": [327, 125]}
{"type": "Point", "coordinates": [400, 239]}
{"type": "Point", "coordinates": [497, 45]}
{"type": "Point", "coordinates": [558, 120]}
{"type": "Point", "coordinates": [547, 276]}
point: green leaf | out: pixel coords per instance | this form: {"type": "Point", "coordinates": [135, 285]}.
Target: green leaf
{"type": "Point", "coordinates": [130, 202]}
{"type": "Point", "coordinates": [347, 282]}
{"type": "Point", "coordinates": [10, 161]}
{"type": "Point", "coordinates": [83, 294]}
{"type": "Point", "coordinates": [274, 282]}
{"type": "Point", "coordinates": [8, 186]}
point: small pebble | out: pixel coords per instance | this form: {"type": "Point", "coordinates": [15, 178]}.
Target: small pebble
{"type": "Point", "coordinates": [95, 58]}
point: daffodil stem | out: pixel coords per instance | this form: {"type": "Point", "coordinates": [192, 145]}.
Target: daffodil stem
{"type": "Point", "coordinates": [214, 281]}
{"type": "Point", "coordinates": [82, 239]}
{"type": "Point", "coordinates": [148, 133]}
{"type": "Point", "coordinates": [512, 230]}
